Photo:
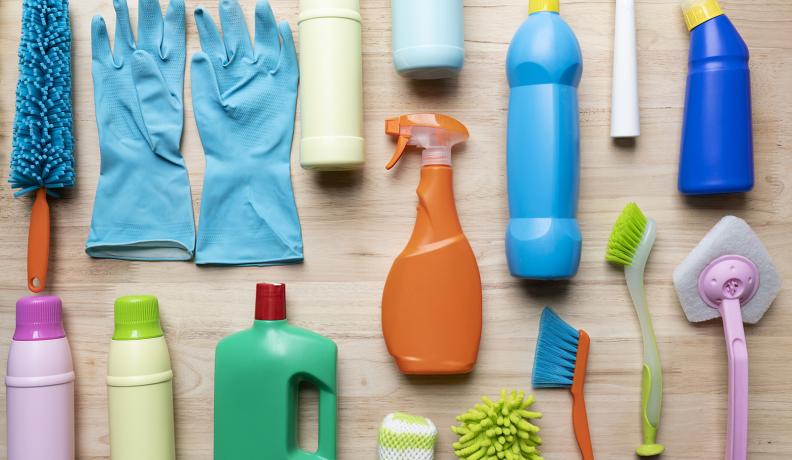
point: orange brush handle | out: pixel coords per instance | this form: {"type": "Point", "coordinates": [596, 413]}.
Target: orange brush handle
{"type": "Point", "coordinates": [579, 417]}
{"type": "Point", "coordinates": [38, 243]}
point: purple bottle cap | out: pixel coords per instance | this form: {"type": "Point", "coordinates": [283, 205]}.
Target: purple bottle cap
{"type": "Point", "coordinates": [39, 318]}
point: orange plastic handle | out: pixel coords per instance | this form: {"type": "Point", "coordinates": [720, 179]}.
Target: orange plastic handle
{"type": "Point", "coordinates": [38, 243]}
{"type": "Point", "coordinates": [579, 417]}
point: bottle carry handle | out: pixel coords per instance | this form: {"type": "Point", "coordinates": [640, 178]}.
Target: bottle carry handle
{"type": "Point", "coordinates": [326, 447]}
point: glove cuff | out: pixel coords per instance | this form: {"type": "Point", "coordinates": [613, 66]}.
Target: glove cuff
{"type": "Point", "coordinates": [168, 242]}
{"type": "Point", "coordinates": [252, 247]}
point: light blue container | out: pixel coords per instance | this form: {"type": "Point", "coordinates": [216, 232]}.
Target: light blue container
{"type": "Point", "coordinates": [428, 38]}
{"type": "Point", "coordinates": [544, 65]}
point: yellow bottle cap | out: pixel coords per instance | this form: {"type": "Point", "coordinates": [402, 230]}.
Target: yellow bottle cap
{"type": "Point", "coordinates": [535, 6]}
{"type": "Point", "coordinates": [698, 11]}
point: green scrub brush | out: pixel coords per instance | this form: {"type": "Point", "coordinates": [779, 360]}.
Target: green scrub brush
{"type": "Point", "coordinates": [499, 430]}
{"type": "Point", "coordinates": [42, 158]}
{"type": "Point", "coordinates": [630, 244]}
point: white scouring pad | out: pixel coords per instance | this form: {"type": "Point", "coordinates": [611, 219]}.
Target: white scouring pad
{"type": "Point", "coordinates": [730, 236]}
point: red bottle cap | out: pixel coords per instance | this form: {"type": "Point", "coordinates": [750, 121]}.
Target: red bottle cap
{"type": "Point", "coordinates": [270, 301]}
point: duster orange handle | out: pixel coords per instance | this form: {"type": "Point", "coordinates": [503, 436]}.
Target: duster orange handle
{"type": "Point", "coordinates": [38, 243]}
{"type": "Point", "coordinates": [579, 417]}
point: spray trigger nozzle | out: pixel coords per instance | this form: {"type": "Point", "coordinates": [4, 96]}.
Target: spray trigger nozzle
{"type": "Point", "coordinates": [434, 133]}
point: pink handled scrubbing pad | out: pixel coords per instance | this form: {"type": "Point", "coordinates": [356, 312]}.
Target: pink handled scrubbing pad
{"type": "Point", "coordinates": [730, 236]}
{"type": "Point", "coordinates": [730, 274]}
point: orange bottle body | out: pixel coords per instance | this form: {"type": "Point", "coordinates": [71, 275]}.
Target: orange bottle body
{"type": "Point", "coordinates": [431, 305]}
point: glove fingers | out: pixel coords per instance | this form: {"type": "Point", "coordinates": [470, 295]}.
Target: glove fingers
{"type": "Point", "coordinates": [267, 39]}
{"type": "Point", "coordinates": [124, 40]}
{"type": "Point", "coordinates": [157, 105]}
{"type": "Point", "coordinates": [235, 32]}
{"type": "Point", "coordinates": [204, 83]}
{"type": "Point", "coordinates": [209, 36]}
{"type": "Point", "coordinates": [100, 42]}
{"type": "Point", "coordinates": [174, 29]}
{"type": "Point", "coordinates": [150, 27]}
{"type": "Point", "coordinates": [288, 56]}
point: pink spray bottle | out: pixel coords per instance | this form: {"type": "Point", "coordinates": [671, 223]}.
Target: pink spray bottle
{"type": "Point", "coordinates": [40, 384]}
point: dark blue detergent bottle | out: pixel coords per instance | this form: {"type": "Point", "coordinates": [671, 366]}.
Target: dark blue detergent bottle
{"type": "Point", "coordinates": [717, 141]}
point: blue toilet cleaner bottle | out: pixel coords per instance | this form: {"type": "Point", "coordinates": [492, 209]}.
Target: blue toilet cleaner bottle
{"type": "Point", "coordinates": [544, 66]}
{"type": "Point", "coordinates": [717, 142]}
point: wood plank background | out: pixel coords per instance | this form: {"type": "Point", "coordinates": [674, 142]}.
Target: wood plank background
{"type": "Point", "coordinates": [355, 223]}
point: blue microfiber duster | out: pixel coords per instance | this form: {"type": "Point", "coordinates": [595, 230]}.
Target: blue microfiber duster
{"type": "Point", "coordinates": [42, 159]}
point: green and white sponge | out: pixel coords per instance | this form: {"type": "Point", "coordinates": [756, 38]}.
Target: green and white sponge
{"type": "Point", "coordinates": [499, 430]}
{"type": "Point", "coordinates": [406, 437]}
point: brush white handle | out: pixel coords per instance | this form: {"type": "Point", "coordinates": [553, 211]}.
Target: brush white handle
{"type": "Point", "coordinates": [737, 432]}
{"type": "Point", "coordinates": [625, 118]}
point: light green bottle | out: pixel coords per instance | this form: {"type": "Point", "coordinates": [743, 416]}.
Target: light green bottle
{"type": "Point", "coordinates": [139, 384]}
{"type": "Point", "coordinates": [331, 85]}
{"type": "Point", "coordinates": [258, 372]}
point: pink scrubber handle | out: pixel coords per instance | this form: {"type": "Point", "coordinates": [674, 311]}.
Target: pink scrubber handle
{"type": "Point", "coordinates": [727, 283]}
{"type": "Point", "coordinates": [737, 433]}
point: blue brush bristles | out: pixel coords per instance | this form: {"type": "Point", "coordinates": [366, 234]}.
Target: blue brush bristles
{"type": "Point", "coordinates": [43, 143]}
{"type": "Point", "coordinates": [556, 352]}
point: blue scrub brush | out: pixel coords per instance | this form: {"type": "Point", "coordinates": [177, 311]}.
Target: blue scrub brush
{"type": "Point", "coordinates": [42, 158]}
{"type": "Point", "coordinates": [560, 362]}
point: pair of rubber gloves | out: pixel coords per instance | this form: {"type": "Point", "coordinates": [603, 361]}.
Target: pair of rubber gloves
{"type": "Point", "coordinates": [244, 98]}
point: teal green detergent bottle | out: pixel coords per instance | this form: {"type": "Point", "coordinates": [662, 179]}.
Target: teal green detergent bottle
{"type": "Point", "coordinates": [258, 372]}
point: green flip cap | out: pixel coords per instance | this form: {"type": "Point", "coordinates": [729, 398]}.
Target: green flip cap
{"type": "Point", "coordinates": [137, 317]}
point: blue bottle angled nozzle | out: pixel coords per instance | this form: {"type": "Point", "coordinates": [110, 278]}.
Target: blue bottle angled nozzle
{"type": "Point", "coordinates": [716, 155]}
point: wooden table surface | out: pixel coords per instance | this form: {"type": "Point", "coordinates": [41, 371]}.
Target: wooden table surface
{"type": "Point", "coordinates": [354, 225]}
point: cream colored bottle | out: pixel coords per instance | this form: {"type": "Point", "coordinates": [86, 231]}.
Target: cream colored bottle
{"type": "Point", "coordinates": [331, 85]}
{"type": "Point", "coordinates": [139, 384]}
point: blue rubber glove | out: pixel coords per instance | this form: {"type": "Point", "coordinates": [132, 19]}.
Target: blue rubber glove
{"type": "Point", "coordinates": [244, 99]}
{"type": "Point", "coordinates": [143, 207]}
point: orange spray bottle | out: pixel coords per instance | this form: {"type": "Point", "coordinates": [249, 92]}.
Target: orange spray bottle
{"type": "Point", "coordinates": [431, 305]}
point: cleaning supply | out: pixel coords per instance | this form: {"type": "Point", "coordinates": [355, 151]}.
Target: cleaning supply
{"type": "Point", "coordinates": [140, 383]}
{"type": "Point", "coordinates": [428, 38]}
{"type": "Point", "coordinates": [717, 140]}
{"type": "Point", "coordinates": [406, 437]}
{"type": "Point", "coordinates": [500, 429]}
{"type": "Point", "coordinates": [40, 384]}
{"type": "Point", "coordinates": [625, 114]}
{"type": "Point", "coordinates": [730, 274]}
{"type": "Point", "coordinates": [244, 98]}
{"type": "Point", "coordinates": [42, 157]}
{"type": "Point", "coordinates": [331, 85]}
{"type": "Point", "coordinates": [629, 245]}
{"type": "Point", "coordinates": [543, 66]}
{"type": "Point", "coordinates": [431, 304]}
{"type": "Point", "coordinates": [560, 362]}
{"type": "Point", "coordinates": [143, 207]}
{"type": "Point", "coordinates": [258, 373]}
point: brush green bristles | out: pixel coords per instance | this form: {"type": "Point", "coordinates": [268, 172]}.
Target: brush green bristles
{"type": "Point", "coordinates": [626, 235]}
{"type": "Point", "coordinates": [499, 430]}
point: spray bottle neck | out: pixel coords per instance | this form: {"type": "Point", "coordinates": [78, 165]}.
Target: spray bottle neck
{"type": "Point", "coordinates": [440, 155]}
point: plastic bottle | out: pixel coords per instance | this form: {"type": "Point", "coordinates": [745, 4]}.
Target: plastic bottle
{"type": "Point", "coordinates": [140, 384]}
{"type": "Point", "coordinates": [331, 85]}
{"type": "Point", "coordinates": [428, 38]}
{"type": "Point", "coordinates": [40, 384]}
{"type": "Point", "coordinates": [544, 66]}
{"type": "Point", "coordinates": [717, 141]}
{"type": "Point", "coordinates": [431, 305]}
{"type": "Point", "coordinates": [258, 373]}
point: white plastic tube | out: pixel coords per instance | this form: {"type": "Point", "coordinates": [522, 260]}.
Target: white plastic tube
{"type": "Point", "coordinates": [625, 118]}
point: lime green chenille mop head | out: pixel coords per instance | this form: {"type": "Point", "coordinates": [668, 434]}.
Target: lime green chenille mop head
{"type": "Point", "coordinates": [499, 430]}
{"type": "Point", "coordinates": [406, 437]}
